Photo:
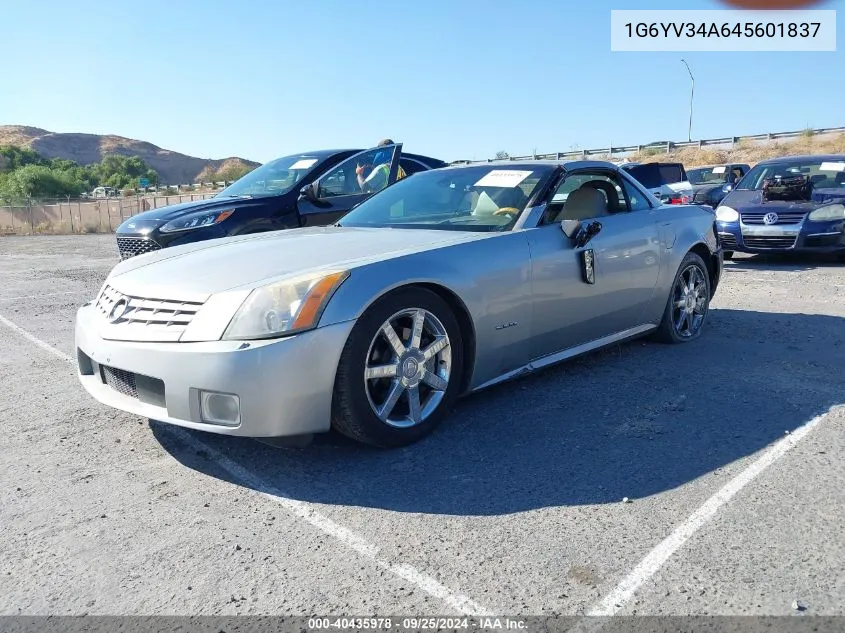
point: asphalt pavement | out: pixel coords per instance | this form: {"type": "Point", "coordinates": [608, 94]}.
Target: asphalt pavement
{"type": "Point", "coordinates": [514, 506]}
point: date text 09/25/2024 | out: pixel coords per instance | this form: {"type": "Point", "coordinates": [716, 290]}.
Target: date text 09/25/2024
{"type": "Point", "coordinates": [416, 623]}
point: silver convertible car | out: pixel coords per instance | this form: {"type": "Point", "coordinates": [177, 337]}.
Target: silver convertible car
{"type": "Point", "coordinates": [444, 283]}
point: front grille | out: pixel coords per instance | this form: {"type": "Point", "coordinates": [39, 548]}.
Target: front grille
{"type": "Point", "coordinates": [770, 241]}
{"type": "Point", "coordinates": [159, 316]}
{"type": "Point", "coordinates": [784, 217]}
{"type": "Point", "coordinates": [131, 246]}
{"type": "Point", "coordinates": [120, 380]}
{"type": "Point", "coordinates": [728, 241]}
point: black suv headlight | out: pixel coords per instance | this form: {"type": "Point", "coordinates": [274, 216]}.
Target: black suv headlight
{"type": "Point", "coordinates": [196, 220]}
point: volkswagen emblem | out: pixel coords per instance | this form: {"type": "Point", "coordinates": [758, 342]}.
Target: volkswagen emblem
{"type": "Point", "coordinates": [770, 218]}
{"type": "Point", "coordinates": [118, 309]}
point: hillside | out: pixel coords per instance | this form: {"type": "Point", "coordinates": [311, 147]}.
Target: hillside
{"type": "Point", "coordinates": [172, 167]}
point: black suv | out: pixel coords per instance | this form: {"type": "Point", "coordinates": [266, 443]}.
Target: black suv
{"type": "Point", "coordinates": [313, 188]}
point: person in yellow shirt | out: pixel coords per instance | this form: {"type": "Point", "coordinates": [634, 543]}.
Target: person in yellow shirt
{"type": "Point", "coordinates": [376, 179]}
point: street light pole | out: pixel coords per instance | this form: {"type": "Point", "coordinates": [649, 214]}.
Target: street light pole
{"type": "Point", "coordinates": [691, 94]}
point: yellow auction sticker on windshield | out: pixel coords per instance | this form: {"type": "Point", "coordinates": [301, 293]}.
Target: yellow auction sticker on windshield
{"type": "Point", "coordinates": [503, 178]}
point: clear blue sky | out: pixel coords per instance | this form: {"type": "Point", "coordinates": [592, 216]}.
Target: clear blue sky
{"type": "Point", "coordinates": [453, 79]}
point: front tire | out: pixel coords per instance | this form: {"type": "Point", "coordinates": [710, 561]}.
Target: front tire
{"type": "Point", "coordinates": [400, 370]}
{"type": "Point", "coordinates": [688, 304]}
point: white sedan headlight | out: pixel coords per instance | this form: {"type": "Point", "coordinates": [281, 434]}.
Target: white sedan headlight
{"type": "Point", "coordinates": [285, 307]}
{"type": "Point", "coordinates": [726, 214]}
{"type": "Point", "coordinates": [828, 213]}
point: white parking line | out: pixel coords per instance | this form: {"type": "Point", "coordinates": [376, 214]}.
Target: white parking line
{"type": "Point", "coordinates": [654, 560]}
{"type": "Point", "coordinates": [243, 477]}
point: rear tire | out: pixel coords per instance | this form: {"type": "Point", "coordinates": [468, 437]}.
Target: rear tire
{"type": "Point", "coordinates": [400, 370]}
{"type": "Point", "coordinates": [728, 254]}
{"type": "Point", "coordinates": [688, 304]}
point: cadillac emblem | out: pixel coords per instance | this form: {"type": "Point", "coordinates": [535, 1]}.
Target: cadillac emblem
{"type": "Point", "coordinates": [118, 309]}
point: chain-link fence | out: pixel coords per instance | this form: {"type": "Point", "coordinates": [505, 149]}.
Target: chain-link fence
{"type": "Point", "coordinates": [104, 215]}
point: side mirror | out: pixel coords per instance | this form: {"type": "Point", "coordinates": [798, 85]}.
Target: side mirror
{"type": "Point", "coordinates": [311, 192]}
{"type": "Point", "coordinates": [570, 228]}
{"type": "Point", "coordinates": [580, 233]}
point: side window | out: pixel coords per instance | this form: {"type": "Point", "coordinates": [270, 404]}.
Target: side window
{"type": "Point", "coordinates": [366, 172]}
{"type": "Point", "coordinates": [670, 174]}
{"type": "Point", "coordinates": [648, 175]}
{"type": "Point", "coordinates": [636, 200]}
{"type": "Point", "coordinates": [738, 173]}
{"type": "Point", "coordinates": [586, 195]}
{"type": "Point", "coordinates": [411, 166]}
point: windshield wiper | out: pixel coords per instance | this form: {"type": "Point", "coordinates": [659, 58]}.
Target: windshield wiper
{"type": "Point", "coordinates": [247, 196]}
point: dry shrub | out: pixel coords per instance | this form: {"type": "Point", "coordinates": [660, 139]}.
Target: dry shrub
{"type": "Point", "coordinates": [52, 228]}
{"type": "Point", "coordinates": [90, 227]}
{"type": "Point", "coordinates": [746, 151]}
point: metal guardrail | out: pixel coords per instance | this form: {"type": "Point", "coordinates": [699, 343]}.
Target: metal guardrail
{"type": "Point", "coordinates": [668, 146]}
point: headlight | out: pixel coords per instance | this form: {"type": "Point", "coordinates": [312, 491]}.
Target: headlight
{"type": "Point", "coordinates": [285, 307]}
{"type": "Point", "coordinates": [726, 214]}
{"type": "Point", "coordinates": [828, 213]}
{"type": "Point", "coordinates": [196, 220]}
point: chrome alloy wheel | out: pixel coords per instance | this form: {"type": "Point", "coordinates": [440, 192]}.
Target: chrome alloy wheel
{"type": "Point", "coordinates": [407, 368]}
{"type": "Point", "coordinates": [689, 302]}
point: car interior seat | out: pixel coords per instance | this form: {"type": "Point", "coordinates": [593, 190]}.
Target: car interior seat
{"type": "Point", "coordinates": [610, 193]}
{"type": "Point", "coordinates": [815, 180]}
{"type": "Point", "coordinates": [584, 202]}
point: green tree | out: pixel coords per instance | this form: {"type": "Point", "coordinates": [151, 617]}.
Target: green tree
{"type": "Point", "coordinates": [25, 174]}
{"type": "Point", "coordinates": [121, 172]}
{"type": "Point", "coordinates": [39, 181]}
{"type": "Point", "coordinates": [15, 157]}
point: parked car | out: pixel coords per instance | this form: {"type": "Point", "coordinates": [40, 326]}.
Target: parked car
{"type": "Point", "coordinates": [711, 183]}
{"type": "Point", "coordinates": [271, 198]}
{"type": "Point", "coordinates": [795, 203]}
{"type": "Point", "coordinates": [105, 192]}
{"type": "Point", "coordinates": [444, 283]}
{"type": "Point", "coordinates": [668, 182]}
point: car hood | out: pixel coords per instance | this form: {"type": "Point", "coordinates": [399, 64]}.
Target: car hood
{"type": "Point", "coordinates": [747, 200]}
{"type": "Point", "coordinates": [193, 272]}
{"type": "Point", "coordinates": [155, 217]}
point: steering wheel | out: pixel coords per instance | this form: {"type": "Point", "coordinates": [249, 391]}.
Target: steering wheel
{"type": "Point", "coordinates": [507, 210]}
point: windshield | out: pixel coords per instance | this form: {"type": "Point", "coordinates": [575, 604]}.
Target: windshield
{"type": "Point", "coordinates": [459, 199]}
{"type": "Point", "coordinates": [272, 179]}
{"type": "Point", "coordinates": [821, 174]}
{"type": "Point", "coordinates": [708, 175]}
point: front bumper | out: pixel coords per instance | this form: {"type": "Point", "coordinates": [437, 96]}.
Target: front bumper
{"type": "Point", "coordinates": [807, 237]}
{"type": "Point", "coordinates": [284, 385]}
{"type": "Point", "coordinates": [132, 244]}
